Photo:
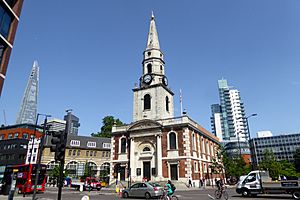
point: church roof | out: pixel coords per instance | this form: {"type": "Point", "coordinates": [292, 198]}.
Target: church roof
{"type": "Point", "coordinates": [152, 42]}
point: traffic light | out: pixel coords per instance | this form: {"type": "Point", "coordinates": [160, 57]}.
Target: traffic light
{"type": "Point", "coordinates": [58, 142]}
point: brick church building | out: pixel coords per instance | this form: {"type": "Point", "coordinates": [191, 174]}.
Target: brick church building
{"type": "Point", "coordinates": [158, 146]}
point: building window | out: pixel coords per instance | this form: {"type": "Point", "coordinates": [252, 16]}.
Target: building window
{"type": "Point", "coordinates": [75, 143]}
{"type": "Point", "coordinates": [74, 152]}
{"type": "Point", "coordinates": [5, 21]}
{"type": "Point", "coordinates": [10, 136]}
{"type": "Point", "coordinates": [172, 140]}
{"type": "Point", "coordinates": [34, 150]}
{"type": "Point", "coordinates": [16, 135]}
{"type": "Point", "coordinates": [91, 153]}
{"type": "Point", "coordinates": [78, 152]}
{"type": "Point", "coordinates": [196, 166]}
{"type": "Point", "coordinates": [147, 102]}
{"type": "Point", "coordinates": [103, 153]}
{"type": "Point", "coordinates": [95, 153]}
{"type": "Point", "coordinates": [25, 136]}
{"type": "Point", "coordinates": [91, 144]}
{"type": "Point", "coordinates": [87, 153]}
{"type": "Point", "coordinates": [70, 152]}
{"type": "Point", "coordinates": [123, 145]}
{"type": "Point", "coordinates": [167, 103]}
{"type": "Point", "coordinates": [149, 68]}
{"type": "Point", "coordinates": [106, 145]}
{"type": "Point", "coordinates": [107, 154]}
{"type": "Point", "coordinates": [11, 3]}
{"type": "Point", "coordinates": [1, 137]}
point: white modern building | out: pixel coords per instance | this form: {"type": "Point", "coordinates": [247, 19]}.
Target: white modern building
{"type": "Point", "coordinates": [32, 151]}
{"type": "Point", "coordinates": [229, 114]}
{"type": "Point", "coordinates": [261, 134]}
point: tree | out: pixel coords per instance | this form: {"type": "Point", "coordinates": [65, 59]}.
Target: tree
{"type": "Point", "coordinates": [277, 168]}
{"type": "Point", "coordinates": [55, 173]}
{"type": "Point", "coordinates": [234, 165]}
{"type": "Point", "coordinates": [106, 128]}
{"type": "Point", "coordinates": [270, 164]}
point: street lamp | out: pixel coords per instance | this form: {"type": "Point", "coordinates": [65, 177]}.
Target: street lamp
{"type": "Point", "coordinates": [252, 115]}
{"type": "Point", "coordinates": [249, 137]}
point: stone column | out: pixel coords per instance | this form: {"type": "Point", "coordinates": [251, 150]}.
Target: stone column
{"type": "Point", "coordinates": [159, 157]}
{"type": "Point", "coordinates": [133, 159]}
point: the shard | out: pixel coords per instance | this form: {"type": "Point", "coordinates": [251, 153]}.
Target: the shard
{"type": "Point", "coordinates": [28, 110]}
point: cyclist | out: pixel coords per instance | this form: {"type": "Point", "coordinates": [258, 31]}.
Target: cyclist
{"type": "Point", "coordinates": [169, 189]}
{"type": "Point", "coordinates": [220, 184]}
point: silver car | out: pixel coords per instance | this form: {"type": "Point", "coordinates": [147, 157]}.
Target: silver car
{"type": "Point", "coordinates": [147, 190]}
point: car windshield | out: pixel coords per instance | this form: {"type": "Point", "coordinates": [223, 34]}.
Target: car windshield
{"type": "Point", "coordinates": [154, 184]}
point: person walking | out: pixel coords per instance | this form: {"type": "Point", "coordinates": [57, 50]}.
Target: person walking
{"type": "Point", "coordinates": [190, 182]}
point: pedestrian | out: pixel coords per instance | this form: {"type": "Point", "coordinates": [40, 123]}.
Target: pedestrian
{"type": "Point", "coordinates": [201, 183]}
{"type": "Point", "coordinates": [190, 182]}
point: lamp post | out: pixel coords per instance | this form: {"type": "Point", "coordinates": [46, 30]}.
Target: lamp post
{"type": "Point", "coordinates": [248, 129]}
{"type": "Point", "coordinates": [249, 136]}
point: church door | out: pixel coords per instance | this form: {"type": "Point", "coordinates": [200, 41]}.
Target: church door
{"type": "Point", "coordinates": [174, 172]}
{"type": "Point", "coordinates": [146, 170]}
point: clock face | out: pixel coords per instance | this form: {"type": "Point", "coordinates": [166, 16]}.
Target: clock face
{"type": "Point", "coordinates": [147, 79]}
{"type": "Point", "coordinates": [165, 81]}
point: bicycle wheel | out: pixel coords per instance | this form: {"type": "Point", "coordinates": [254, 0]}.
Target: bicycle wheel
{"type": "Point", "coordinates": [175, 198]}
{"type": "Point", "coordinates": [218, 194]}
{"type": "Point", "coordinates": [225, 195]}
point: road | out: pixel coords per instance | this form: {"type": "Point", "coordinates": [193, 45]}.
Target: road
{"type": "Point", "coordinates": [202, 194]}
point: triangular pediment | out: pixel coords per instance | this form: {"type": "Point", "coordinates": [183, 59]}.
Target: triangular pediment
{"type": "Point", "coordinates": [144, 124]}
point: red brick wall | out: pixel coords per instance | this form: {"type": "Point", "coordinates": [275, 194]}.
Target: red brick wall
{"type": "Point", "coordinates": [30, 132]}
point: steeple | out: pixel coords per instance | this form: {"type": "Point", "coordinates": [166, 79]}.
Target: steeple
{"type": "Point", "coordinates": [153, 99]}
{"type": "Point", "coordinates": [152, 42]}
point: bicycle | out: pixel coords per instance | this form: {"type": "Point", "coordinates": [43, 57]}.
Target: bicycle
{"type": "Point", "coordinates": [166, 197]}
{"type": "Point", "coordinates": [221, 191]}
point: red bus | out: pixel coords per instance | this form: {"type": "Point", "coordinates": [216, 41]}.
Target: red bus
{"type": "Point", "coordinates": [25, 177]}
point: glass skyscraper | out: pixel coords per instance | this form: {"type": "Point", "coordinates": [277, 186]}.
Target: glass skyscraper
{"type": "Point", "coordinates": [232, 114]}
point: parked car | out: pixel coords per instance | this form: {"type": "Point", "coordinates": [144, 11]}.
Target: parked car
{"type": "Point", "coordinates": [147, 190]}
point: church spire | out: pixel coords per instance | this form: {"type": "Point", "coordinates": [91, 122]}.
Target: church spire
{"type": "Point", "coordinates": [152, 42]}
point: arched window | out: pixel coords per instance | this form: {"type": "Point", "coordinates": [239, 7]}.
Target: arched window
{"type": "Point", "coordinates": [72, 168]}
{"type": "Point", "coordinates": [149, 68]}
{"type": "Point", "coordinates": [123, 145]}
{"type": "Point", "coordinates": [172, 140]}
{"type": "Point", "coordinates": [167, 103]}
{"type": "Point", "coordinates": [147, 102]}
{"type": "Point", "coordinates": [146, 149]}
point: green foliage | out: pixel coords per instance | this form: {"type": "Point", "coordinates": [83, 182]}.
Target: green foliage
{"type": "Point", "coordinates": [270, 164]}
{"type": "Point", "coordinates": [55, 173]}
{"type": "Point", "coordinates": [87, 171]}
{"type": "Point", "coordinates": [235, 165]}
{"type": "Point", "coordinates": [216, 164]}
{"type": "Point", "coordinates": [106, 128]}
{"type": "Point", "coordinates": [275, 168]}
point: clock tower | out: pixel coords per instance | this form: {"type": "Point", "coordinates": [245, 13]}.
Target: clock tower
{"type": "Point", "coordinates": [152, 98]}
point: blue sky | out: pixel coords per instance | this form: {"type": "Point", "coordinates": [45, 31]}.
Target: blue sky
{"type": "Point", "coordinates": [90, 57]}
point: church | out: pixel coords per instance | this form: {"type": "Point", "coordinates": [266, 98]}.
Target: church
{"type": "Point", "coordinates": [157, 146]}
